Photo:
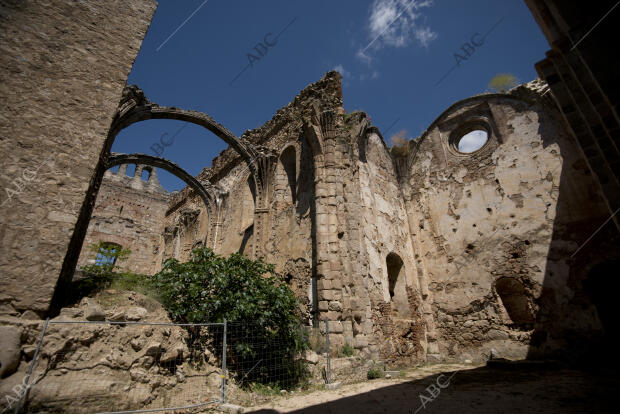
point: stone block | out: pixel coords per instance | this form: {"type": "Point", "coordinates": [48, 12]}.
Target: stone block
{"type": "Point", "coordinates": [230, 408]}
{"type": "Point", "coordinates": [347, 326]}
{"type": "Point", "coordinates": [323, 284]}
{"type": "Point", "coordinates": [327, 295]}
{"type": "Point", "coordinates": [335, 327]}
{"type": "Point", "coordinates": [94, 312]}
{"type": "Point", "coordinates": [335, 306]}
{"type": "Point", "coordinates": [9, 350]}
{"type": "Point", "coordinates": [323, 305]}
{"type": "Point", "coordinates": [333, 386]}
{"type": "Point", "coordinates": [360, 341]}
{"type": "Point", "coordinates": [333, 316]}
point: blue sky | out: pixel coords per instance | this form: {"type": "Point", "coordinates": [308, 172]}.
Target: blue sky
{"type": "Point", "coordinates": [395, 56]}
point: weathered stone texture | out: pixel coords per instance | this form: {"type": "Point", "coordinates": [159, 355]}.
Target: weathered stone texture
{"type": "Point", "coordinates": [447, 254]}
{"type": "Point", "coordinates": [62, 71]}
{"type": "Point", "coordinates": [499, 213]}
{"type": "Point", "coordinates": [129, 212]}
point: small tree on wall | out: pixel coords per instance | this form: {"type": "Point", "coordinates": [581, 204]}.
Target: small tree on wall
{"type": "Point", "coordinates": [105, 272]}
{"type": "Point", "coordinates": [108, 257]}
{"type": "Point", "coordinates": [502, 82]}
{"type": "Point", "coordinates": [400, 143]}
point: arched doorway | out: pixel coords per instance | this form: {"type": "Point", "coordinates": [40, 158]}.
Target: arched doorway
{"type": "Point", "coordinates": [397, 285]}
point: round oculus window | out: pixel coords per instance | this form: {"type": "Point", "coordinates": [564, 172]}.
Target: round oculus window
{"type": "Point", "coordinates": [472, 141]}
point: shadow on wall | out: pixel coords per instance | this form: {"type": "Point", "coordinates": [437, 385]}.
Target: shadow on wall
{"type": "Point", "coordinates": [572, 315]}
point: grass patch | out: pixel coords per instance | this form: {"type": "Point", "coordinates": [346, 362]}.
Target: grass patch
{"type": "Point", "coordinates": [347, 350]}
{"type": "Point", "coordinates": [265, 389]}
{"type": "Point", "coordinates": [135, 283]}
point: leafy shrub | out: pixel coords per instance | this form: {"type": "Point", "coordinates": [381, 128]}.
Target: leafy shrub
{"type": "Point", "coordinates": [264, 324]}
{"type": "Point", "coordinates": [374, 373]}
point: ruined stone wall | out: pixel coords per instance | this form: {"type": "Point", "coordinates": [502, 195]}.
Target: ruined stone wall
{"type": "Point", "coordinates": [63, 65]}
{"type": "Point", "coordinates": [129, 212]}
{"type": "Point", "coordinates": [432, 255]}
{"type": "Point", "coordinates": [496, 227]}
{"type": "Point", "coordinates": [389, 267]}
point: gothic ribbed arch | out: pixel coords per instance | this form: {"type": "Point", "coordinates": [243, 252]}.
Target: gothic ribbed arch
{"type": "Point", "coordinates": [135, 107]}
{"type": "Point", "coordinates": [206, 193]}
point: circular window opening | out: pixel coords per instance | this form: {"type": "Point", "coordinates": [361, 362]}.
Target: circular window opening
{"type": "Point", "coordinates": [472, 141]}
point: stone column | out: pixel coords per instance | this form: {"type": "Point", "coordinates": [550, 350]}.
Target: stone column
{"type": "Point", "coordinates": [265, 164]}
{"type": "Point", "coordinates": [122, 170]}
{"type": "Point", "coordinates": [328, 187]}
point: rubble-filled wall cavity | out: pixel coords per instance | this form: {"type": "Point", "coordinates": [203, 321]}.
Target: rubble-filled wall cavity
{"type": "Point", "coordinates": [63, 66]}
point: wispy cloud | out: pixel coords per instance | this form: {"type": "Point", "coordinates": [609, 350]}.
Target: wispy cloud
{"type": "Point", "coordinates": [340, 69]}
{"type": "Point", "coordinates": [396, 23]}
{"type": "Point", "coordinates": [348, 76]}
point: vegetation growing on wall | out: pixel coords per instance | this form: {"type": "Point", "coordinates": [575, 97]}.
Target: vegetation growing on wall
{"type": "Point", "coordinates": [502, 82]}
{"type": "Point", "coordinates": [400, 144]}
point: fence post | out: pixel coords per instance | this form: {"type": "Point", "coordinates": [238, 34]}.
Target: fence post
{"type": "Point", "coordinates": [225, 333]}
{"type": "Point", "coordinates": [34, 360]}
{"type": "Point", "coordinates": [388, 360]}
{"type": "Point", "coordinates": [329, 368]}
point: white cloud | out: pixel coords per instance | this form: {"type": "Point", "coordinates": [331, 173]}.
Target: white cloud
{"type": "Point", "coordinates": [340, 69]}
{"type": "Point", "coordinates": [395, 23]}
{"type": "Point", "coordinates": [472, 141]}
{"type": "Point", "coordinates": [425, 36]}
{"type": "Point", "coordinates": [348, 76]}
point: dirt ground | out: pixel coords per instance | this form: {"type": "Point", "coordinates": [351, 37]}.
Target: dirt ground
{"type": "Point", "coordinates": [507, 388]}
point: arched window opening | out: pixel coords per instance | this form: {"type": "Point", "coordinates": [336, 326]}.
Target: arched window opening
{"type": "Point", "coordinates": [515, 300]}
{"type": "Point", "coordinates": [108, 254]}
{"type": "Point", "coordinates": [285, 185]}
{"type": "Point", "coordinates": [131, 170]}
{"type": "Point", "coordinates": [397, 284]}
{"type": "Point", "coordinates": [146, 173]}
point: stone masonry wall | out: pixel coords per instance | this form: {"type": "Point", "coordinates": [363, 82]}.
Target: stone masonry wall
{"type": "Point", "coordinates": [63, 66]}
{"type": "Point", "coordinates": [129, 211]}
{"type": "Point", "coordinates": [488, 221]}
{"type": "Point", "coordinates": [432, 255]}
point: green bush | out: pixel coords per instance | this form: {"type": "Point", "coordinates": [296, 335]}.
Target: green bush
{"type": "Point", "coordinates": [374, 373]}
{"type": "Point", "coordinates": [264, 325]}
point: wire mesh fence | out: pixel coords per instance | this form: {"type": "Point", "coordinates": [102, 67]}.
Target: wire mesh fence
{"type": "Point", "coordinates": [112, 367]}
{"type": "Point", "coordinates": [269, 356]}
